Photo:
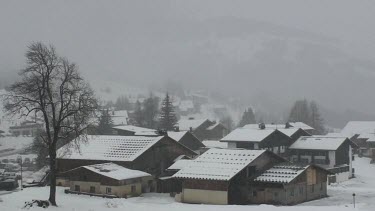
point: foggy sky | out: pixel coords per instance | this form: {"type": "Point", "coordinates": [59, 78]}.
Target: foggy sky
{"type": "Point", "coordinates": [264, 52]}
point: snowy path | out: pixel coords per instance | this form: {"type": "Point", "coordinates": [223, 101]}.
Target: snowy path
{"type": "Point", "coordinates": [340, 200]}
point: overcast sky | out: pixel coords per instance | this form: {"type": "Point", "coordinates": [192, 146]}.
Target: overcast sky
{"type": "Point", "coordinates": [322, 50]}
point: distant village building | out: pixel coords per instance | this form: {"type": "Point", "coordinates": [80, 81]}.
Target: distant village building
{"type": "Point", "coordinates": [362, 133]}
{"type": "Point", "coordinates": [108, 179]}
{"type": "Point", "coordinates": [203, 129]}
{"type": "Point", "coordinates": [332, 153]}
{"type": "Point", "coordinates": [261, 138]}
{"type": "Point", "coordinates": [220, 176]}
{"type": "Point", "coordinates": [288, 184]}
{"type": "Point", "coordinates": [149, 154]}
{"type": "Point", "coordinates": [26, 128]}
{"type": "Point", "coordinates": [120, 117]}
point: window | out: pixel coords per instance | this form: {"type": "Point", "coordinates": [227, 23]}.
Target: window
{"type": "Point", "coordinates": [292, 192]}
{"type": "Point", "coordinates": [108, 190]}
{"type": "Point", "coordinates": [254, 194]}
{"type": "Point", "coordinates": [77, 188]}
{"type": "Point", "coordinates": [312, 188]}
{"type": "Point", "coordinates": [92, 189]}
{"type": "Point", "coordinates": [301, 190]}
{"type": "Point", "coordinates": [133, 189]}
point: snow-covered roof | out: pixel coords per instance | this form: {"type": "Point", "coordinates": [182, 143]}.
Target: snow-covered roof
{"type": "Point", "coordinates": [186, 124]}
{"type": "Point", "coordinates": [120, 117]}
{"type": "Point", "coordinates": [318, 142]}
{"type": "Point", "coordinates": [218, 164]}
{"type": "Point", "coordinates": [293, 125]}
{"type": "Point", "coordinates": [358, 127]}
{"type": "Point", "coordinates": [282, 173]}
{"type": "Point", "coordinates": [15, 143]}
{"type": "Point", "coordinates": [115, 171]}
{"type": "Point", "coordinates": [213, 126]}
{"type": "Point", "coordinates": [109, 148]}
{"type": "Point", "coordinates": [248, 135]}
{"type": "Point", "coordinates": [138, 131]}
{"type": "Point", "coordinates": [215, 144]}
{"type": "Point", "coordinates": [179, 164]}
{"type": "Point", "coordinates": [177, 135]}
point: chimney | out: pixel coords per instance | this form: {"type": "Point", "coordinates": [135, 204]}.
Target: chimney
{"type": "Point", "coordinates": [191, 129]}
{"type": "Point", "coordinates": [262, 126]}
{"type": "Point", "coordinates": [288, 125]}
{"type": "Point", "coordinates": [177, 129]}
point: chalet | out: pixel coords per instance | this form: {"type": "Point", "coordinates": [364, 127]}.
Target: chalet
{"type": "Point", "coordinates": [260, 138]}
{"type": "Point", "coordinates": [208, 144]}
{"type": "Point", "coordinates": [288, 184]}
{"type": "Point", "coordinates": [130, 130]}
{"type": "Point", "coordinates": [203, 129]}
{"type": "Point", "coordinates": [220, 176]}
{"type": "Point", "coordinates": [292, 129]}
{"type": "Point", "coordinates": [332, 153]}
{"type": "Point", "coordinates": [119, 117]}
{"type": "Point", "coordinates": [108, 179]}
{"type": "Point", "coordinates": [149, 154]}
{"type": "Point", "coordinates": [361, 133]}
{"type": "Point", "coordinates": [187, 139]}
{"type": "Point", "coordinates": [27, 128]}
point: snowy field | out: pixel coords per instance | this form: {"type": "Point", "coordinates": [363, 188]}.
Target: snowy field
{"type": "Point", "coordinates": [340, 198]}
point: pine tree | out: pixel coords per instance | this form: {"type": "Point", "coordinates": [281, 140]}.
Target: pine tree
{"type": "Point", "coordinates": [168, 118]}
{"type": "Point", "coordinates": [122, 103]}
{"type": "Point", "coordinates": [248, 117]}
{"type": "Point", "coordinates": [300, 112]}
{"type": "Point", "coordinates": [105, 123]}
{"type": "Point", "coordinates": [316, 121]}
{"type": "Point", "coordinates": [138, 115]}
{"type": "Point", "coordinates": [151, 111]}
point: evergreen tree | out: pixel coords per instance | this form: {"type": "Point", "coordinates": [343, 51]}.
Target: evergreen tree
{"type": "Point", "coordinates": [316, 120]}
{"type": "Point", "coordinates": [139, 119]}
{"type": "Point", "coordinates": [167, 119]}
{"type": "Point", "coordinates": [150, 111]}
{"type": "Point", "coordinates": [248, 117]}
{"type": "Point", "coordinates": [300, 112]}
{"type": "Point", "coordinates": [105, 123]}
{"type": "Point", "coordinates": [122, 103]}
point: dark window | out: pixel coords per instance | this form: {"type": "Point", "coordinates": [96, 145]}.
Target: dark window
{"type": "Point", "coordinates": [292, 192]}
{"type": "Point", "coordinates": [77, 188]}
{"type": "Point", "coordinates": [92, 189]}
{"type": "Point", "coordinates": [108, 190]}
{"type": "Point", "coordinates": [312, 188]}
{"type": "Point", "coordinates": [134, 189]}
{"type": "Point", "coordinates": [301, 190]}
{"type": "Point", "coordinates": [254, 193]}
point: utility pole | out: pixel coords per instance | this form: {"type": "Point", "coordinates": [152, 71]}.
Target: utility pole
{"type": "Point", "coordinates": [354, 200]}
{"type": "Point", "coordinates": [21, 171]}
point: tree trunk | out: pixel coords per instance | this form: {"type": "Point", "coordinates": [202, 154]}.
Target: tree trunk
{"type": "Point", "coordinates": [52, 165]}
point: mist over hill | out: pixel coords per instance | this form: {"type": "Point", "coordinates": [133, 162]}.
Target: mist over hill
{"type": "Point", "coordinates": [263, 60]}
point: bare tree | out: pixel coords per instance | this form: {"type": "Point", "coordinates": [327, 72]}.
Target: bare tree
{"type": "Point", "coordinates": [52, 88]}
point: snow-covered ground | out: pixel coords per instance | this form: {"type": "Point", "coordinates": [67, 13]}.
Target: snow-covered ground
{"type": "Point", "coordinates": [340, 198]}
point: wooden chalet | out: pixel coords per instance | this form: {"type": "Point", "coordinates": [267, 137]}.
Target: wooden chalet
{"type": "Point", "coordinates": [108, 180]}
{"type": "Point", "coordinates": [203, 129]}
{"type": "Point", "coordinates": [332, 153]}
{"type": "Point", "coordinates": [130, 130]}
{"type": "Point", "coordinates": [149, 154]}
{"type": "Point", "coordinates": [261, 138]}
{"type": "Point", "coordinates": [362, 133]}
{"type": "Point", "coordinates": [187, 139]}
{"type": "Point", "coordinates": [220, 176]}
{"type": "Point", "coordinates": [288, 184]}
